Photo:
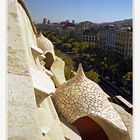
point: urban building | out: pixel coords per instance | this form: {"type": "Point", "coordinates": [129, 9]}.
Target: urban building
{"type": "Point", "coordinates": [45, 21]}
{"type": "Point", "coordinates": [69, 26]}
{"type": "Point", "coordinates": [110, 38]}
{"type": "Point", "coordinates": [129, 48]}
{"type": "Point", "coordinates": [54, 27]}
{"type": "Point", "coordinates": [73, 21]}
{"type": "Point", "coordinates": [86, 25]}
{"type": "Point", "coordinates": [67, 21]}
{"type": "Point", "coordinates": [89, 35]}
{"type": "Point", "coordinates": [102, 37]}
{"type": "Point", "coordinates": [123, 45]}
{"type": "Point", "coordinates": [115, 39]}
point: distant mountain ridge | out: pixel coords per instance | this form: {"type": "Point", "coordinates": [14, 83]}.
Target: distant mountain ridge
{"type": "Point", "coordinates": [120, 21]}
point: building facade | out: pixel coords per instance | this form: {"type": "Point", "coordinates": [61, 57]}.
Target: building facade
{"type": "Point", "coordinates": [102, 38]}
{"type": "Point", "coordinates": [45, 21]}
{"type": "Point", "coordinates": [110, 38]}
{"type": "Point", "coordinates": [89, 35]}
{"type": "Point", "coordinates": [123, 44]}
{"type": "Point", "coordinates": [116, 40]}
{"type": "Point", "coordinates": [86, 25]}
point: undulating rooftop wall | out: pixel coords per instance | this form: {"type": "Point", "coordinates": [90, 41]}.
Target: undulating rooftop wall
{"type": "Point", "coordinates": [22, 109]}
{"type": "Point", "coordinates": [31, 113]}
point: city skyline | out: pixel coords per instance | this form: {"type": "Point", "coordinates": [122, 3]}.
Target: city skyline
{"type": "Point", "coordinates": [90, 10]}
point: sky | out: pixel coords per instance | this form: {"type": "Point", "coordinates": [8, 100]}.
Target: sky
{"type": "Point", "coordinates": [97, 11]}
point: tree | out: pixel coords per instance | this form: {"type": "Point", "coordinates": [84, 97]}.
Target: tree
{"type": "Point", "coordinates": [125, 66]}
{"type": "Point", "coordinates": [104, 65]}
{"type": "Point", "coordinates": [71, 40]}
{"type": "Point", "coordinates": [67, 46]}
{"type": "Point", "coordinates": [75, 43]}
{"type": "Point", "coordinates": [92, 75]}
{"type": "Point", "coordinates": [127, 79]}
{"type": "Point", "coordinates": [54, 39]}
{"type": "Point", "coordinates": [113, 69]}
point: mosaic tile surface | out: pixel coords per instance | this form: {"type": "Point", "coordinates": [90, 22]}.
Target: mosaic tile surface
{"type": "Point", "coordinates": [80, 97]}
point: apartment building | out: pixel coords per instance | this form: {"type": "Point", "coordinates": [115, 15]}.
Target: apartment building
{"type": "Point", "coordinates": [89, 35]}
{"type": "Point", "coordinates": [102, 38]}
{"type": "Point", "coordinates": [117, 40]}
{"type": "Point", "coordinates": [110, 38]}
{"type": "Point", "coordinates": [86, 25]}
{"type": "Point", "coordinates": [123, 43]}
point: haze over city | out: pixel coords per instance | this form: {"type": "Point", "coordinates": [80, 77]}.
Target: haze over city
{"type": "Point", "coordinates": [97, 11]}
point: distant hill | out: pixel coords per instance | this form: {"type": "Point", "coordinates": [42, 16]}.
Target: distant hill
{"type": "Point", "coordinates": [121, 22]}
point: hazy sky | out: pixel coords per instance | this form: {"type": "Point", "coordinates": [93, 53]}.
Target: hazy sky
{"type": "Point", "coordinates": [80, 10]}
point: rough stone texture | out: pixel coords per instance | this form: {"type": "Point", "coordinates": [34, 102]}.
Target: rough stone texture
{"type": "Point", "coordinates": [81, 97]}
{"type": "Point", "coordinates": [24, 122]}
{"type": "Point", "coordinates": [57, 69]}
{"type": "Point", "coordinates": [22, 110]}
{"type": "Point", "coordinates": [49, 120]}
{"type": "Point", "coordinates": [29, 38]}
{"type": "Point", "coordinates": [23, 133]}
{"type": "Point", "coordinates": [16, 62]}
{"type": "Point", "coordinates": [14, 29]}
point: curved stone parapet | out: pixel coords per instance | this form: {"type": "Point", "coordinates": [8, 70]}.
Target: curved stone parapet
{"type": "Point", "coordinates": [80, 97]}
{"type": "Point", "coordinates": [47, 47]}
{"type": "Point", "coordinates": [29, 83]}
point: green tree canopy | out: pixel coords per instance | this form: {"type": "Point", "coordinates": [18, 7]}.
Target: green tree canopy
{"type": "Point", "coordinates": [92, 75]}
{"type": "Point", "coordinates": [127, 80]}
